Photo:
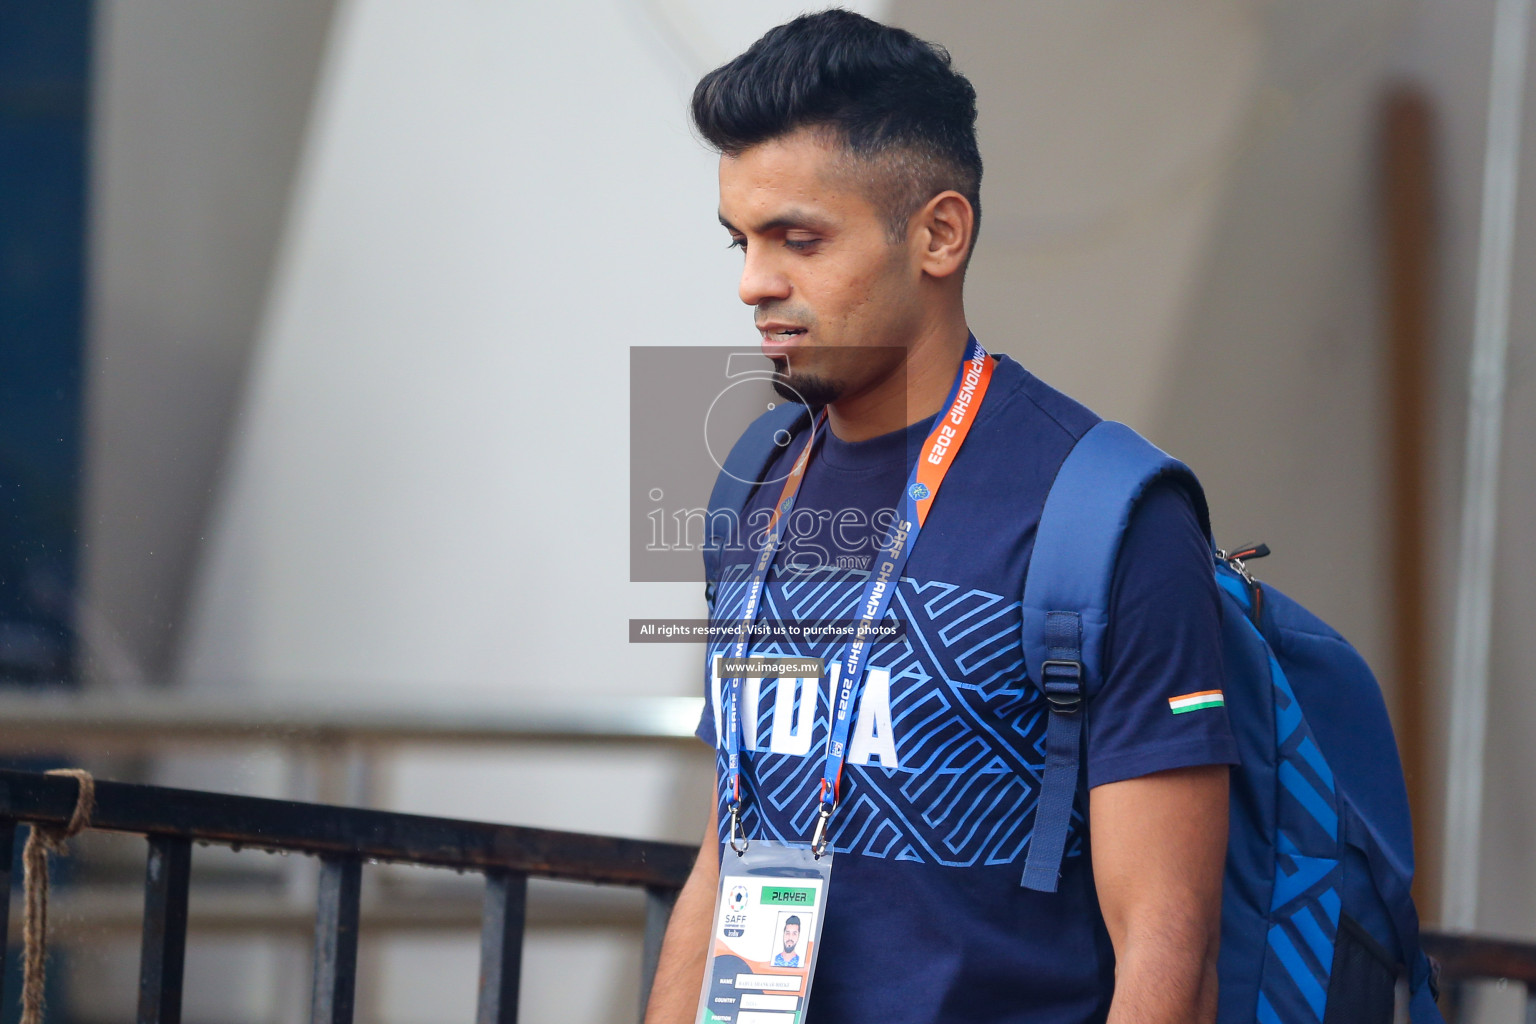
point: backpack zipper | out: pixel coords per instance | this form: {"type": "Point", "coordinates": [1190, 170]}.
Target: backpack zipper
{"type": "Point", "coordinates": [1237, 562]}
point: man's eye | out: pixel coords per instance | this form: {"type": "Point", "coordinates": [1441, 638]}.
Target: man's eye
{"type": "Point", "coordinates": [800, 244]}
{"type": "Point", "coordinates": [737, 243]}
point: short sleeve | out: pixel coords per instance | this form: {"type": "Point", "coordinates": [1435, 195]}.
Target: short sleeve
{"type": "Point", "coordinates": [1164, 642]}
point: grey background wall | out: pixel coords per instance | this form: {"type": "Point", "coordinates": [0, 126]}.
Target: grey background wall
{"type": "Point", "coordinates": [200, 113]}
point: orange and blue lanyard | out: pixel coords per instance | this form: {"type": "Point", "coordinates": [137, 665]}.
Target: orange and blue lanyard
{"type": "Point", "coordinates": [933, 463]}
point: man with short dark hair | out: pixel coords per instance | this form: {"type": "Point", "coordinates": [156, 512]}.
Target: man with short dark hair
{"type": "Point", "coordinates": [849, 177]}
{"type": "Point", "coordinates": [789, 956]}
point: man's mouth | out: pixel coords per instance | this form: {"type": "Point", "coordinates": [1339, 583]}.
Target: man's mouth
{"type": "Point", "coordinates": [779, 332]}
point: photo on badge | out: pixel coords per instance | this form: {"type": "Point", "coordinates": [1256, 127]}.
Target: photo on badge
{"type": "Point", "coordinates": [788, 951]}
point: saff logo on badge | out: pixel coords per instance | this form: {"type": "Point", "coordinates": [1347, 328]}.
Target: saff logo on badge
{"type": "Point", "coordinates": [918, 492]}
{"type": "Point", "coordinates": [733, 921]}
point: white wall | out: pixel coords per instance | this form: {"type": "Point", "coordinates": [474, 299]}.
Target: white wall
{"type": "Point", "coordinates": [1109, 131]}
{"type": "Point", "coordinates": [1448, 48]}
{"type": "Point", "coordinates": [1178, 229]}
{"type": "Point", "coordinates": [199, 111]}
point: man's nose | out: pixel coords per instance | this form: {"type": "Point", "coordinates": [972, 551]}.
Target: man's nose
{"type": "Point", "coordinates": [761, 281]}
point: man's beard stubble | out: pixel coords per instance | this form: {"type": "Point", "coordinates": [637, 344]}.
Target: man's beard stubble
{"type": "Point", "coordinates": [804, 388]}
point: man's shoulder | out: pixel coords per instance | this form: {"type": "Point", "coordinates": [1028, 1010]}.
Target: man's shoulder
{"type": "Point", "coordinates": [1024, 433]}
{"type": "Point", "coordinates": [1027, 401]}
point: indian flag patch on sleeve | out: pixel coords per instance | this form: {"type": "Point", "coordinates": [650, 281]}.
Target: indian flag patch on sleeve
{"type": "Point", "coordinates": [1196, 701]}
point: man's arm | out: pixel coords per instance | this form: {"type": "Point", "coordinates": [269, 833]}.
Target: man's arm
{"type": "Point", "coordinates": [680, 972]}
{"type": "Point", "coordinates": [1159, 845]}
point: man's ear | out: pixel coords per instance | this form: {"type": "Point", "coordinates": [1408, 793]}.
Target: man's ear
{"type": "Point", "coordinates": [944, 228]}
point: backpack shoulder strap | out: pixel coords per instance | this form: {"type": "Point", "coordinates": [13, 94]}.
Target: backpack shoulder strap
{"type": "Point", "coordinates": [1392, 881]}
{"type": "Point", "coordinates": [740, 475]}
{"type": "Point", "coordinates": [1066, 607]}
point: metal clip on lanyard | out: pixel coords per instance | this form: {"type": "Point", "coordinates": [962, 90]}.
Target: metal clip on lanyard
{"type": "Point", "coordinates": [938, 454]}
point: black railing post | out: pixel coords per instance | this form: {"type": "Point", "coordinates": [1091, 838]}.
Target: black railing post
{"type": "Point", "coordinates": [7, 858]}
{"type": "Point", "coordinates": [1452, 1000]}
{"type": "Point", "coordinates": [163, 954]}
{"type": "Point", "coordinates": [501, 945]}
{"type": "Point", "coordinates": [336, 920]}
{"type": "Point", "coordinates": [658, 911]}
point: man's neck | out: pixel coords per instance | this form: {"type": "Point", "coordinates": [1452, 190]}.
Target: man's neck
{"type": "Point", "coordinates": [912, 393]}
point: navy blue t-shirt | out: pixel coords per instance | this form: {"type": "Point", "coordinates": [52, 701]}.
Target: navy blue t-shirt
{"type": "Point", "coordinates": [926, 919]}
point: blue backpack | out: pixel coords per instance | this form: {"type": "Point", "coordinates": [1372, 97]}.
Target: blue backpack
{"type": "Point", "coordinates": [1318, 923]}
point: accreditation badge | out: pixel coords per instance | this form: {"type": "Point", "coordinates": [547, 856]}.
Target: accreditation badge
{"type": "Point", "coordinates": [767, 931]}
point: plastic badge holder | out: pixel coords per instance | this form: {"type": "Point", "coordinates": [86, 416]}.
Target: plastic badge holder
{"type": "Point", "coordinates": [767, 933]}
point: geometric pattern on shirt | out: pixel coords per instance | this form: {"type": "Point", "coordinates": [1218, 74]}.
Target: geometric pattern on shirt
{"type": "Point", "coordinates": [969, 729]}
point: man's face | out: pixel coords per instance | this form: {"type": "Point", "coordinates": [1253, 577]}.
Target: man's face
{"type": "Point", "coordinates": [835, 298]}
{"type": "Point", "coordinates": [791, 937]}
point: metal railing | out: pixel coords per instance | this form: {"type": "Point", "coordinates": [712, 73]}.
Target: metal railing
{"type": "Point", "coordinates": [1468, 958]}
{"type": "Point", "coordinates": [51, 722]}
{"type": "Point", "coordinates": [334, 753]}
{"type": "Point", "coordinates": [344, 839]}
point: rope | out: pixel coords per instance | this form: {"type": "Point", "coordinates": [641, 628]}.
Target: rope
{"type": "Point", "coordinates": [43, 840]}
